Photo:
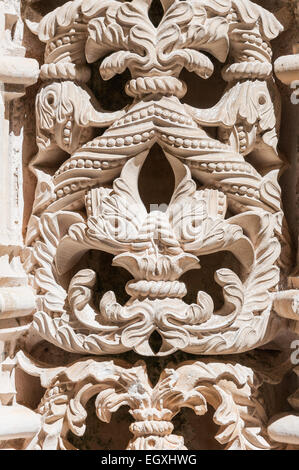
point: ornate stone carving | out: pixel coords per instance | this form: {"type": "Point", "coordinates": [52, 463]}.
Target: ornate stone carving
{"type": "Point", "coordinates": [157, 248]}
{"type": "Point", "coordinates": [177, 128]}
{"type": "Point", "coordinates": [230, 388]}
{"type": "Point", "coordinates": [226, 165]}
{"type": "Point", "coordinates": [17, 299]}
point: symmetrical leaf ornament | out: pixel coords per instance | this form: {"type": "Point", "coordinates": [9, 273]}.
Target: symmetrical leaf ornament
{"type": "Point", "coordinates": [157, 248]}
{"type": "Point", "coordinates": [184, 30]}
{"type": "Point", "coordinates": [230, 388]}
{"type": "Point", "coordinates": [123, 34]}
{"type": "Point", "coordinates": [225, 205]}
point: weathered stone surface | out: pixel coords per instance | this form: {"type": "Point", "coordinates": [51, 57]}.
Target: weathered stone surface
{"type": "Point", "coordinates": [287, 68]}
{"type": "Point", "coordinates": [144, 215]}
{"type": "Point", "coordinates": [285, 429]}
{"type": "Point", "coordinates": [18, 422]}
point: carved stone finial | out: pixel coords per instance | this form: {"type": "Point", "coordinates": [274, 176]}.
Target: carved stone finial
{"type": "Point", "coordinates": [205, 273]}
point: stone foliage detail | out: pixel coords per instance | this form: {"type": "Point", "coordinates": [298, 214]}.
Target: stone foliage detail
{"type": "Point", "coordinates": [231, 389]}
{"type": "Point", "coordinates": [87, 196]}
{"type": "Point", "coordinates": [89, 205]}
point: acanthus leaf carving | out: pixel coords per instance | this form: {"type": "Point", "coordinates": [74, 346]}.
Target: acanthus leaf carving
{"type": "Point", "coordinates": [230, 388]}
{"type": "Point", "coordinates": [224, 217]}
{"type": "Point", "coordinates": [157, 248]}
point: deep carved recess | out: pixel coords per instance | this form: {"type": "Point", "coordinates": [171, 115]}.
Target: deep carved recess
{"type": "Point", "coordinates": [138, 190]}
{"type": "Point", "coordinates": [88, 197]}
{"type": "Point", "coordinates": [230, 388]}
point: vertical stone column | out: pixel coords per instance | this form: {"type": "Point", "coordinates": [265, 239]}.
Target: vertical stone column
{"type": "Point", "coordinates": [225, 204]}
{"type": "Point", "coordinates": [284, 428]}
{"type": "Point", "coordinates": [16, 297]}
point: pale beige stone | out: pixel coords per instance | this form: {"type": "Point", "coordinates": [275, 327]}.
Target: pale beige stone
{"type": "Point", "coordinates": [286, 304]}
{"type": "Point", "coordinates": [225, 203]}
{"type": "Point", "coordinates": [160, 118]}
{"type": "Point", "coordinates": [194, 385]}
{"type": "Point", "coordinates": [285, 429]}
{"type": "Point", "coordinates": [18, 70]}
{"type": "Point", "coordinates": [287, 68]}
{"type": "Point", "coordinates": [16, 301]}
{"type": "Point", "coordinates": [18, 422]}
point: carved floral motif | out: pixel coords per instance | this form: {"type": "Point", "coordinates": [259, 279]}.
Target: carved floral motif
{"type": "Point", "coordinates": [226, 198]}
{"type": "Point", "coordinates": [156, 247]}
{"type": "Point", "coordinates": [231, 389]}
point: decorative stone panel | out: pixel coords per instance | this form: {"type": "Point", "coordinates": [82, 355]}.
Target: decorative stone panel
{"type": "Point", "coordinates": [154, 237]}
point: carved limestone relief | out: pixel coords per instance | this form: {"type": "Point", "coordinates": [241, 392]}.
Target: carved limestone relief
{"type": "Point", "coordinates": [231, 389]}
{"type": "Point", "coordinates": [226, 203]}
{"type": "Point", "coordinates": [75, 211]}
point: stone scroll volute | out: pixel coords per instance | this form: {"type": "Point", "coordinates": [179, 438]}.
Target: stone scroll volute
{"type": "Point", "coordinates": [88, 197]}
{"type": "Point", "coordinates": [226, 204]}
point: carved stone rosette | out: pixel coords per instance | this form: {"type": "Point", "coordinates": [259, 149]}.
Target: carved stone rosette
{"type": "Point", "coordinates": [226, 201]}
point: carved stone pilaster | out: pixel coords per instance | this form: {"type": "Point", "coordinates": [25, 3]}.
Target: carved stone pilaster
{"type": "Point", "coordinates": [17, 300]}
{"type": "Point", "coordinates": [224, 216]}
{"type": "Point", "coordinates": [230, 388]}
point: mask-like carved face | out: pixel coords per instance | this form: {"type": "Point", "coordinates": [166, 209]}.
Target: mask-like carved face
{"type": "Point", "coordinates": [92, 201]}
{"type": "Point", "coordinates": [150, 51]}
